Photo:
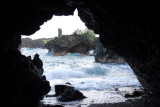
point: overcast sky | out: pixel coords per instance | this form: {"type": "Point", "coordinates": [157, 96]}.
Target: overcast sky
{"type": "Point", "coordinates": [68, 24]}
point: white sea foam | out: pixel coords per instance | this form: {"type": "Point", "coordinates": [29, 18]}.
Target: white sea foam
{"type": "Point", "coordinates": [84, 73]}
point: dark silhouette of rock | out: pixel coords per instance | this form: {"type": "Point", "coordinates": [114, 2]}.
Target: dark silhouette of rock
{"type": "Point", "coordinates": [27, 42]}
{"type": "Point", "coordinates": [67, 93]}
{"type": "Point", "coordinates": [25, 85]}
{"type": "Point", "coordinates": [70, 44]}
{"type": "Point", "coordinates": [134, 94]}
{"type": "Point", "coordinates": [35, 43]}
{"type": "Point", "coordinates": [59, 89]}
{"type": "Point", "coordinates": [132, 33]}
{"type": "Point", "coordinates": [48, 105]}
{"type": "Point", "coordinates": [38, 63]}
{"type": "Point", "coordinates": [68, 83]}
{"type": "Point", "coordinates": [105, 55]}
{"type": "Point", "coordinates": [59, 32]}
{"type": "Point", "coordinates": [50, 95]}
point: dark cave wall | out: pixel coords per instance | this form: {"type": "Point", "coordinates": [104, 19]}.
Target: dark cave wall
{"type": "Point", "coordinates": [21, 80]}
{"type": "Point", "coordinates": [133, 33]}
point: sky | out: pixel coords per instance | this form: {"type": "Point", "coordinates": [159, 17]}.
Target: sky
{"type": "Point", "coordinates": [68, 24]}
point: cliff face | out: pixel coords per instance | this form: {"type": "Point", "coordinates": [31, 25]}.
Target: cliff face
{"type": "Point", "coordinates": [22, 81]}
{"type": "Point", "coordinates": [27, 42]}
{"type": "Point", "coordinates": [105, 55]}
{"type": "Point", "coordinates": [133, 33]}
{"type": "Point", "coordinates": [70, 44]}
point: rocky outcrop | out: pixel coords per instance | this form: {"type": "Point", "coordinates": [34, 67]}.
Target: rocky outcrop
{"type": "Point", "coordinates": [22, 80]}
{"type": "Point", "coordinates": [105, 55]}
{"type": "Point", "coordinates": [132, 33]}
{"type": "Point", "coordinates": [136, 93]}
{"type": "Point", "coordinates": [70, 44]}
{"type": "Point", "coordinates": [38, 63]}
{"type": "Point", "coordinates": [37, 43]}
{"type": "Point", "coordinates": [68, 93]}
{"type": "Point", "coordinates": [59, 32]}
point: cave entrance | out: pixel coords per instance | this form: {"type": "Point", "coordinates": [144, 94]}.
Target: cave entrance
{"type": "Point", "coordinates": [100, 82]}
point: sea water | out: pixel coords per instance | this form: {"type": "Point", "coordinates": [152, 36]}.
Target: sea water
{"type": "Point", "coordinates": [95, 80]}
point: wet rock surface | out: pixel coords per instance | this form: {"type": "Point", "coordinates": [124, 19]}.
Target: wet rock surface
{"type": "Point", "coordinates": [70, 44]}
{"type": "Point", "coordinates": [37, 43]}
{"type": "Point", "coordinates": [105, 55]}
{"type": "Point", "coordinates": [134, 94]}
{"type": "Point", "coordinates": [22, 82]}
{"type": "Point", "coordinates": [38, 63]}
{"type": "Point", "coordinates": [68, 93]}
{"type": "Point", "coordinates": [132, 33]}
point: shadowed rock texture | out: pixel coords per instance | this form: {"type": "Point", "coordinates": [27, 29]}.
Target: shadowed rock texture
{"type": "Point", "coordinates": [133, 33]}
{"type": "Point", "coordinates": [70, 44]}
{"type": "Point", "coordinates": [68, 93]}
{"type": "Point", "coordinates": [37, 43]}
{"type": "Point", "coordinates": [105, 55]}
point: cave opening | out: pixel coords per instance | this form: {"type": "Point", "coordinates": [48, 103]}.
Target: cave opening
{"type": "Point", "coordinates": [131, 32]}
{"type": "Point", "coordinates": [110, 79]}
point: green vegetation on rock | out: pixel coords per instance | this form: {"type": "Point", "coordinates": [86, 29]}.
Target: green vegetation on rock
{"type": "Point", "coordinates": [89, 33]}
{"type": "Point", "coordinates": [47, 40]}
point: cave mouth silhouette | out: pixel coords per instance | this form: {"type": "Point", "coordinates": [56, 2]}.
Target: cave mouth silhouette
{"type": "Point", "coordinates": [132, 33]}
{"type": "Point", "coordinates": [90, 86]}
{"type": "Point", "coordinates": [115, 86]}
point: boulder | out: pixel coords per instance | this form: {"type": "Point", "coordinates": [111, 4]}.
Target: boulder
{"type": "Point", "coordinates": [134, 94]}
{"type": "Point", "coordinates": [38, 63]}
{"type": "Point", "coordinates": [68, 93]}
{"type": "Point", "coordinates": [105, 55]}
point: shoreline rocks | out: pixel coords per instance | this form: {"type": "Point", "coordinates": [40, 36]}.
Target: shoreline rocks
{"type": "Point", "coordinates": [25, 83]}
{"type": "Point", "coordinates": [136, 93]}
{"type": "Point", "coordinates": [67, 93]}
{"type": "Point", "coordinates": [36, 43]}
{"type": "Point", "coordinates": [74, 43]}
{"type": "Point", "coordinates": [104, 55]}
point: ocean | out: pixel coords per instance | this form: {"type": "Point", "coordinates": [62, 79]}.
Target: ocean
{"type": "Point", "coordinates": [95, 80]}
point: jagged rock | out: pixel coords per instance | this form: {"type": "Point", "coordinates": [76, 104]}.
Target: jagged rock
{"type": "Point", "coordinates": [134, 94]}
{"type": "Point", "coordinates": [38, 63]}
{"type": "Point", "coordinates": [70, 44]}
{"type": "Point", "coordinates": [105, 55]}
{"type": "Point", "coordinates": [37, 43]}
{"type": "Point", "coordinates": [67, 93]}
{"type": "Point", "coordinates": [132, 33]}
{"type": "Point", "coordinates": [59, 32]}
{"type": "Point", "coordinates": [25, 85]}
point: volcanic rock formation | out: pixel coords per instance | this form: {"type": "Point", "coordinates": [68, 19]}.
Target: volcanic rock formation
{"type": "Point", "coordinates": [105, 55]}
{"type": "Point", "coordinates": [38, 43]}
{"type": "Point", "coordinates": [132, 33]}
{"type": "Point", "coordinates": [68, 93]}
{"type": "Point", "coordinates": [70, 44]}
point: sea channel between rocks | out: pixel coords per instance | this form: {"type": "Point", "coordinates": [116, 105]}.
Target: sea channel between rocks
{"type": "Point", "coordinates": [108, 85]}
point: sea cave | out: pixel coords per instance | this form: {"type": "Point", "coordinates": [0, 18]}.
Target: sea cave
{"type": "Point", "coordinates": [132, 33]}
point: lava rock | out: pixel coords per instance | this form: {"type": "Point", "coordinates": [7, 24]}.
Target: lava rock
{"type": "Point", "coordinates": [132, 33]}
{"type": "Point", "coordinates": [134, 94]}
{"type": "Point", "coordinates": [36, 43]}
{"type": "Point", "coordinates": [50, 95]}
{"type": "Point", "coordinates": [68, 93]}
{"type": "Point", "coordinates": [105, 55]}
{"type": "Point", "coordinates": [38, 63]}
{"type": "Point", "coordinates": [74, 43]}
